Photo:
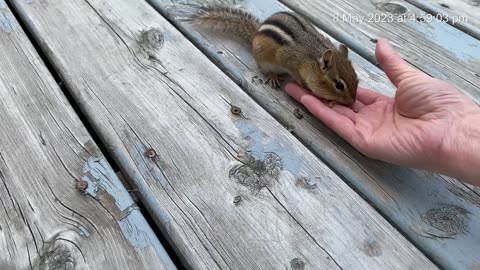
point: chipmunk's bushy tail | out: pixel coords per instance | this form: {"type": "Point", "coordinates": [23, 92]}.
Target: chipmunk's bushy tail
{"type": "Point", "coordinates": [229, 20]}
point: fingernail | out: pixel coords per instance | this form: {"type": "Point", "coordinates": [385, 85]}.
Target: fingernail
{"type": "Point", "coordinates": [387, 43]}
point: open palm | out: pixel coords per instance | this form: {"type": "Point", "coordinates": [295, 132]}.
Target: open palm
{"type": "Point", "coordinates": [409, 129]}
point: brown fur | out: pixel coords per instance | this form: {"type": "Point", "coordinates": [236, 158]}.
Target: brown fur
{"type": "Point", "coordinates": [304, 58]}
{"type": "Point", "coordinates": [264, 49]}
{"type": "Point", "coordinates": [227, 19]}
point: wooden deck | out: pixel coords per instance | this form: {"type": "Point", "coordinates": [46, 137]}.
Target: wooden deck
{"type": "Point", "coordinates": [96, 89]}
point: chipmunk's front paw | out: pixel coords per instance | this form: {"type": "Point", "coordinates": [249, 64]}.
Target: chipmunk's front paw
{"type": "Point", "coordinates": [273, 80]}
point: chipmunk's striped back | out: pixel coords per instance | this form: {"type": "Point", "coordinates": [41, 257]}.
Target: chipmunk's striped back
{"type": "Point", "coordinates": [284, 28]}
{"type": "Point", "coordinates": [288, 28]}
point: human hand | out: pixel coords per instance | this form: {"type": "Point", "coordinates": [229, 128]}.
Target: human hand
{"type": "Point", "coordinates": [417, 128]}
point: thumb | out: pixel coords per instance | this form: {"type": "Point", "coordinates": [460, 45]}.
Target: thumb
{"type": "Point", "coordinates": [392, 64]}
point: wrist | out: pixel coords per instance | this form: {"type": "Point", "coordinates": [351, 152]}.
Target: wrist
{"type": "Point", "coordinates": [461, 151]}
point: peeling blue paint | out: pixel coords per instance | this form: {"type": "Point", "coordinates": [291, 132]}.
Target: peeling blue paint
{"type": "Point", "coordinates": [84, 232]}
{"type": "Point", "coordinates": [135, 232]}
{"type": "Point", "coordinates": [105, 178]}
{"type": "Point", "coordinates": [463, 46]}
{"type": "Point", "coordinates": [149, 200]}
{"type": "Point", "coordinates": [260, 144]}
{"type": "Point", "coordinates": [100, 176]}
{"type": "Point", "coordinates": [261, 8]}
{"type": "Point", "coordinates": [8, 23]}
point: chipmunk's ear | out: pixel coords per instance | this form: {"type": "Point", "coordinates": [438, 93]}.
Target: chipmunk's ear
{"type": "Point", "coordinates": [343, 50]}
{"type": "Point", "coordinates": [326, 62]}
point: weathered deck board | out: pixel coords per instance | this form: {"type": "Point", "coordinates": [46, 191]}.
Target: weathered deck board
{"type": "Point", "coordinates": [229, 191]}
{"type": "Point", "coordinates": [438, 48]}
{"type": "Point", "coordinates": [407, 197]}
{"type": "Point", "coordinates": [464, 15]}
{"type": "Point", "coordinates": [45, 223]}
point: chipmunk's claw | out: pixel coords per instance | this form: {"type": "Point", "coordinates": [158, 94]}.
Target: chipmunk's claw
{"type": "Point", "coordinates": [273, 80]}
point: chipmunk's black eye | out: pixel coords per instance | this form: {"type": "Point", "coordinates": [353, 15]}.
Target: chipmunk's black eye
{"type": "Point", "coordinates": [340, 85]}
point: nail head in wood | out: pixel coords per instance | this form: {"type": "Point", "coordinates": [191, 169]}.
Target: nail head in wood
{"type": "Point", "coordinates": [298, 113]}
{"type": "Point", "coordinates": [235, 110]}
{"type": "Point", "coordinates": [81, 185]}
{"type": "Point", "coordinates": [237, 200]}
{"type": "Point", "coordinates": [150, 153]}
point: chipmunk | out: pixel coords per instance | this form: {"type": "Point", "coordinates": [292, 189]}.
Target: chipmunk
{"type": "Point", "coordinates": [287, 43]}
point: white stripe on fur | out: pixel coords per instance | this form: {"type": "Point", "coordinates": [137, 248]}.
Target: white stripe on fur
{"type": "Point", "coordinates": [277, 30]}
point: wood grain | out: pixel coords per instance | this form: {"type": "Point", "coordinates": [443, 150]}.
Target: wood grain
{"type": "Point", "coordinates": [437, 48]}
{"type": "Point", "coordinates": [45, 153]}
{"type": "Point", "coordinates": [229, 191]}
{"type": "Point", "coordinates": [464, 15]}
{"type": "Point", "coordinates": [406, 196]}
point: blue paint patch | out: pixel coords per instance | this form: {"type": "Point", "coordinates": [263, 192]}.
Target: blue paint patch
{"type": "Point", "coordinates": [100, 176]}
{"type": "Point", "coordinates": [260, 145]}
{"type": "Point", "coordinates": [463, 46]}
{"type": "Point", "coordinates": [84, 232]}
{"type": "Point", "coordinates": [8, 23]}
{"type": "Point", "coordinates": [133, 227]}
{"type": "Point", "coordinates": [159, 214]}
{"type": "Point", "coordinates": [262, 8]}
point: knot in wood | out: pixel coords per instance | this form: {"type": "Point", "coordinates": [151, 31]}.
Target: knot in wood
{"type": "Point", "coordinates": [371, 248]}
{"type": "Point", "coordinates": [449, 219]}
{"type": "Point", "coordinates": [306, 183]}
{"type": "Point", "coordinates": [57, 255]}
{"type": "Point", "coordinates": [151, 39]}
{"type": "Point", "coordinates": [257, 174]}
{"type": "Point", "coordinates": [298, 113]}
{"type": "Point", "coordinates": [297, 264]}
{"type": "Point", "coordinates": [393, 8]}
